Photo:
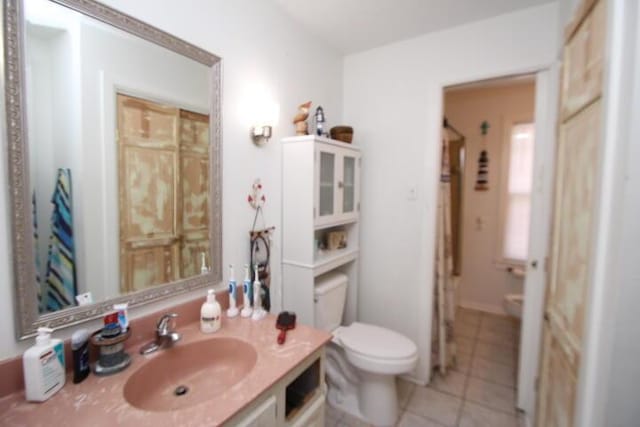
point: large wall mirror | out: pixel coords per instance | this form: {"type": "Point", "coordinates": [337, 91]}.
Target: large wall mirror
{"type": "Point", "coordinates": [114, 160]}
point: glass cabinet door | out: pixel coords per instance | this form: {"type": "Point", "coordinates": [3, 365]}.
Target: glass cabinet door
{"type": "Point", "coordinates": [348, 184]}
{"type": "Point", "coordinates": [327, 183]}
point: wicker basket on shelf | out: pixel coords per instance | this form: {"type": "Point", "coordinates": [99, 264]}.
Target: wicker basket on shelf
{"type": "Point", "coordinates": [342, 133]}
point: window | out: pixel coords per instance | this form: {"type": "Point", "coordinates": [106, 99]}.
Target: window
{"type": "Point", "coordinates": [517, 193]}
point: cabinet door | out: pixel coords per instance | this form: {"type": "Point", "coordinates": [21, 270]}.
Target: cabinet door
{"type": "Point", "coordinates": [326, 188]}
{"type": "Point", "coordinates": [348, 186]}
{"type": "Point", "coordinates": [313, 416]}
{"type": "Point", "coordinates": [263, 416]}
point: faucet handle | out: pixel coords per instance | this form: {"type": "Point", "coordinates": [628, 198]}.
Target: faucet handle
{"type": "Point", "coordinates": [163, 323]}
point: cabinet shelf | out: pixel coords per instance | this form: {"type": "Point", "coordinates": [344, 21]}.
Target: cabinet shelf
{"type": "Point", "coordinates": [335, 223]}
{"type": "Point", "coordinates": [328, 260]}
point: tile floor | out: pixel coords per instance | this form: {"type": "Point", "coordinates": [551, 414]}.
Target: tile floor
{"type": "Point", "coordinates": [478, 392]}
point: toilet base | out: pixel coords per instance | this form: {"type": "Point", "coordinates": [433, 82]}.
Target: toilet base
{"type": "Point", "coordinates": [378, 398]}
{"type": "Point", "coordinates": [373, 400]}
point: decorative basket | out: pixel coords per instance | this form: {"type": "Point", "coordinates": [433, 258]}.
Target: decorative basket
{"type": "Point", "coordinates": [342, 133]}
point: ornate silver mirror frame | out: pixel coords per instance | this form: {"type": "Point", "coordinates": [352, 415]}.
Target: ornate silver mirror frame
{"type": "Point", "coordinates": [27, 317]}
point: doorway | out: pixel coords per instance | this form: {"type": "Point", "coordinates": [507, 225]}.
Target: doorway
{"type": "Point", "coordinates": [498, 131]}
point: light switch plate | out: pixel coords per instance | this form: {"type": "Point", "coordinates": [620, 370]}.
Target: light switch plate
{"type": "Point", "coordinates": [412, 192]}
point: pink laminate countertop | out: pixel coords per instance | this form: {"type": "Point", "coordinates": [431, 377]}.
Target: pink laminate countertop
{"type": "Point", "coordinates": [99, 401]}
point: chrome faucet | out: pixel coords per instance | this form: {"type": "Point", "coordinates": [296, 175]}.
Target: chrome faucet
{"type": "Point", "coordinates": [165, 336]}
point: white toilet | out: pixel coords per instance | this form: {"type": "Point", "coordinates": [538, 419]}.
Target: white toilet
{"type": "Point", "coordinates": [362, 360]}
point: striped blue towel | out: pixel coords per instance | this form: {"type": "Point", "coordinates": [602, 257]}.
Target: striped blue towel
{"type": "Point", "coordinates": [61, 287]}
{"type": "Point", "coordinates": [36, 252]}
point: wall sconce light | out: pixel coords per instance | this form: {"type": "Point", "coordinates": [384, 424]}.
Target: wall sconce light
{"type": "Point", "coordinates": [261, 134]}
{"type": "Point", "coordinates": [264, 113]}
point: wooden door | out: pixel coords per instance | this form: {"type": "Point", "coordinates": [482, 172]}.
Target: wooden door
{"type": "Point", "coordinates": [163, 168]}
{"type": "Point", "coordinates": [148, 172]}
{"type": "Point", "coordinates": [194, 192]}
{"type": "Point", "coordinates": [578, 149]}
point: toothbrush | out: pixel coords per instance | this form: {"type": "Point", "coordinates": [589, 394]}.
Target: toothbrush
{"type": "Point", "coordinates": [233, 287]}
{"type": "Point", "coordinates": [246, 293]}
{"type": "Point", "coordinates": [258, 311]}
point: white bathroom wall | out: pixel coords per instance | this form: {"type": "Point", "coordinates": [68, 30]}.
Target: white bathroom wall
{"type": "Point", "coordinates": [484, 279]}
{"type": "Point", "coordinates": [393, 99]}
{"type": "Point", "coordinates": [262, 51]}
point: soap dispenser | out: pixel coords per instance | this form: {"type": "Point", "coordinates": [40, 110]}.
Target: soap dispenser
{"type": "Point", "coordinates": [44, 368]}
{"type": "Point", "coordinates": [210, 314]}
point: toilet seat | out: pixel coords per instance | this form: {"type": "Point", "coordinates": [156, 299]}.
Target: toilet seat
{"type": "Point", "coordinates": [375, 349]}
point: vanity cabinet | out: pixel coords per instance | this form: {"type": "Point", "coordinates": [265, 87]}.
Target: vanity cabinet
{"type": "Point", "coordinates": [320, 197]}
{"type": "Point", "coordinates": [297, 400]}
{"type": "Point", "coordinates": [264, 415]}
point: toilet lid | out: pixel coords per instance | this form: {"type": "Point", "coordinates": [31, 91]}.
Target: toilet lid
{"type": "Point", "coordinates": [374, 341]}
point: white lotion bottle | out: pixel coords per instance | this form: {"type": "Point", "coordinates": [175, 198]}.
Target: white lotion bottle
{"type": "Point", "coordinates": [246, 293]}
{"type": "Point", "coordinates": [258, 311]}
{"type": "Point", "coordinates": [210, 314]}
{"type": "Point", "coordinates": [232, 311]}
{"type": "Point", "coordinates": [44, 368]}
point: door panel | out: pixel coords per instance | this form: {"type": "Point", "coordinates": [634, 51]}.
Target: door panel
{"type": "Point", "coordinates": [349, 184]}
{"type": "Point", "coordinates": [559, 399]}
{"type": "Point", "coordinates": [583, 55]}
{"type": "Point", "coordinates": [577, 152]}
{"type": "Point", "coordinates": [194, 194]}
{"type": "Point", "coordinates": [577, 162]}
{"type": "Point", "coordinates": [149, 266]}
{"type": "Point", "coordinates": [326, 205]}
{"type": "Point", "coordinates": [164, 192]}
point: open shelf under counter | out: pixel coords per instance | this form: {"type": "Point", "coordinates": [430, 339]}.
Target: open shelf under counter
{"type": "Point", "coordinates": [328, 260]}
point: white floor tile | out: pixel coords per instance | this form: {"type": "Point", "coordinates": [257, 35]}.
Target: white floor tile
{"type": "Point", "coordinates": [463, 363]}
{"type": "Point", "coordinates": [491, 395]}
{"type": "Point", "coordinates": [434, 405]}
{"type": "Point", "coordinates": [348, 420]}
{"type": "Point", "coordinates": [468, 316]}
{"type": "Point", "coordinates": [331, 416]}
{"type": "Point", "coordinates": [453, 383]}
{"type": "Point", "coordinates": [494, 372]}
{"type": "Point", "coordinates": [495, 353]}
{"type": "Point", "coordinates": [474, 415]}
{"type": "Point", "coordinates": [405, 389]}
{"type": "Point", "coordinates": [411, 420]}
{"type": "Point", "coordinates": [496, 322]}
{"type": "Point", "coordinates": [465, 329]}
{"type": "Point", "coordinates": [464, 345]}
{"type": "Point", "coordinates": [497, 337]}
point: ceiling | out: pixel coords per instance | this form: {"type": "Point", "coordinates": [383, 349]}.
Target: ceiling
{"type": "Point", "coordinates": [357, 25]}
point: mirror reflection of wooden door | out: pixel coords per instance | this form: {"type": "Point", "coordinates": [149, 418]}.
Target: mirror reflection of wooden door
{"type": "Point", "coordinates": [578, 148]}
{"type": "Point", "coordinates": [163, 192]}
{"type": "Point", "coordinates": [194, 194]}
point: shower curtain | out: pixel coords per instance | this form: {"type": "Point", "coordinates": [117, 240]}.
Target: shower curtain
{"type": "Point", "coordinates": [443, 347]}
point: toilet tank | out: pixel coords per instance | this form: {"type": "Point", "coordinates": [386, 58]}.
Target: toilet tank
{"type": "Point", "coordinates": [330, 296]}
